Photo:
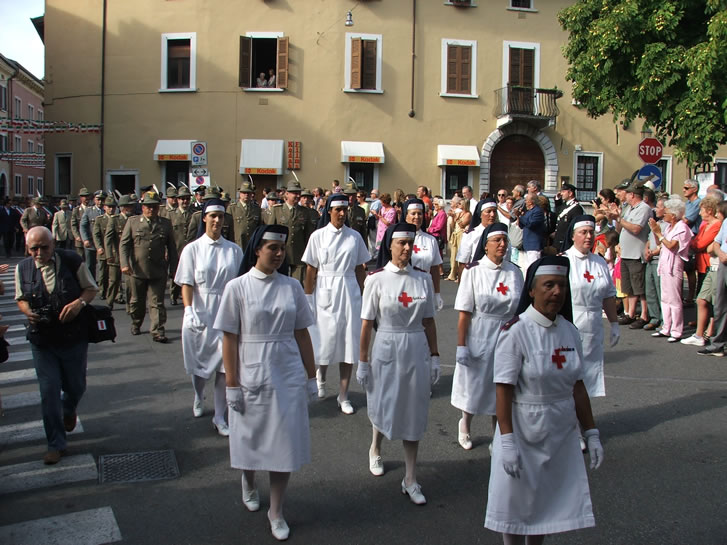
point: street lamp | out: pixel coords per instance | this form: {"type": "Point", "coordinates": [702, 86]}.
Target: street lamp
{"type": "Point", "coordinates": [349, 19]}
{"type": "Point", "coordinates": [646, 131]}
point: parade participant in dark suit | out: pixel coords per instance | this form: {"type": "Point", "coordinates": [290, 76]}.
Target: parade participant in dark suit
{"type": "Point", "coordinates": [7, 231]}
{"type": "Point", "coordinates": [566, 209]}
{"type": "Point", "coordinates": [76, 216]}
{"type": "Point", "coordinates": [112, 239]}
{"type": "Point", "coordinates": [86, 229]}
{"type": "Point", "coordinates": [356, 215]}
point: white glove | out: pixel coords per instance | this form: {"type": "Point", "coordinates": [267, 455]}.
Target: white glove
{"type": "Point", "coordinates": [235, 400]}
{"type": "Point", "coordinates": [595, 449]}
{"type": "Point", "coordinates": [435, 371]}
{"type": "Point", "coordinates": [311, 388]}
{"type": "Point", "coordinates": [510, 455]}
{"type": "Point", "coordinates": [463, 356]}
{"type": "Point", "coordinates": [362, 373]}
{"type": "Point", "coordinates": [615, 334]}
{"type": "Point", "coordinates": [311, 298]}
{"type": "Point", "coordinates": [438, 302]}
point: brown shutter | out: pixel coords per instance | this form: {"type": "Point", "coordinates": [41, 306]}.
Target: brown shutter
{"type": "Point", "coordinates": [356, 56]}
{"type": "Point", "coordinates": [528, 71]}
{"type": "Point", "coordinates": [245, 56]}
{"type": "Point", "coordinates": [522, 67]}
{"type": "Point", "coordinates": [282, 77]}
{"type": "Point", "coordinates": [514, 71]}
{"type": "Point", "coordinates": [369, 64]}
{"type": "Point", "coordinates": [465, 69]}
{"type": "Point", "coordinates": [452, 68]}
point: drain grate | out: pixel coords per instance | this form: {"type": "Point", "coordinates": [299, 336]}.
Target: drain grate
{"type": "Point", "coordinates": [135, 467]}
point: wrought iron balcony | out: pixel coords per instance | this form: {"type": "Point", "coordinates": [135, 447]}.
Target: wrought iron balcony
{"type": "Point", "coordinates": [537, 106]}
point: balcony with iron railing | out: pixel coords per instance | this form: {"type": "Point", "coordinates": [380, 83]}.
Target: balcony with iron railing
{"type": "Point", "coordinates": [536, 106]}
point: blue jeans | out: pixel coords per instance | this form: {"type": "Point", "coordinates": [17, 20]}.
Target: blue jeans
{"type": "Point", "coordinates": [59, 369]}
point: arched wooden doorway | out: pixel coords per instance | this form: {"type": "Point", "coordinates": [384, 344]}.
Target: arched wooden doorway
{"type": "Point", "coordinates": [516, 159]}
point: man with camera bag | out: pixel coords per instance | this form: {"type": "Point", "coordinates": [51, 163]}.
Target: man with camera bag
{"type": "Point", "coordinates": [51, 288]}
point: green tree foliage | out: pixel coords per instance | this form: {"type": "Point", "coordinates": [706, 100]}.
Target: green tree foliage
{"type": "Point", "coordinates": [664, 61]}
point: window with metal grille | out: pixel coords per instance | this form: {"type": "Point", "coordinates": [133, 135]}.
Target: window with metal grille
{"type": "Point", "coordinates": [587, 174]}
{"type": "Point", "coordinates": [522, 4]}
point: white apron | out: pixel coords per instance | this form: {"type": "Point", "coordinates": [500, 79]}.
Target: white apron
{"type": "Point", "coordinates": [336, 253]}
{"type": "Point", "coordinates": [543, 360]}
{"type": "Point", "coordinates": [425, 253]}
{"type": "Point", "coordinates": [590, 284]}
{"type": "Point", "coordinates": [273, 432]}
{"type": "Point", "coordinates": [491, 293]}
{"type": "Point", "coordinates": [207, 265]}
{"type": "Point", "coordinates": [467, 246]}
{"type": "Point", "coordinates": [397, 392]}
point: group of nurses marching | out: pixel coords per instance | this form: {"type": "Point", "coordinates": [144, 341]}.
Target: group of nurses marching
{"type": "Point", "coordinates": [247, 325]}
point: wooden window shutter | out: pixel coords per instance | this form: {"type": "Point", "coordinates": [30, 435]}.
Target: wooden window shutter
{"type": "Point", "coordinates": [528, 71]}
{"type": "Point", "coordinates": [465, 69]}
{"type": "Point", "coordinates": [356, 57]}
{"type": "Point", "coordinates": [369, 65]}
{"type": "Point", "coordinates": [522, 67]}
{"type": "Point", "coordinates": [282, 77]}
{"type": "Point", "coordinates": [245, 58]}
{"type": "Point", "coordinates": [453, 67]}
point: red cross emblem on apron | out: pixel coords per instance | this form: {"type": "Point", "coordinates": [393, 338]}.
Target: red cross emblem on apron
{"type": "Point", "coordinates": [502, 288]}
{"type": "Point", "coordinates": [558, 359]}
{"type": "Point", "coordinates": [416, 249]}
{"type": "Point", "coordinates": [404, 299]}
{"type": "Point", "coordinates": [588, 276]}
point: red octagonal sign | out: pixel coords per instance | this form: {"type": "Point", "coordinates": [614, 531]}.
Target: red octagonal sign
{"type": "Point", "coordinates": [650, 150]}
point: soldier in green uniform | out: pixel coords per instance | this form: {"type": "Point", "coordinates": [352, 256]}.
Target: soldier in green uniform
{"type": "Point", "coordinates": [148, 253]}
{"type": "Point", "coordinates": [298, 221]}
{"type": "Point", "coordinates": [306, 201]}
{"type": "Point", "coordinates": [246, 214]}
{"type": "Point", "coordinates": [228, 226]}
{"type": "Point", "coordinates": [76, 215]}
{"type": "Point", "coordinates": [166, 210]}
{"type": "Point", "coordinates": [98, 232]}
{"type": "Point", "coordinates": [180, 220]}
{"type": "Point", "coordinates": [356, 215]}
{"type": "Point", "coordinates": [111, 240]}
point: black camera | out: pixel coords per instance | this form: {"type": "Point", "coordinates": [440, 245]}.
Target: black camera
{"type": "Point", "coordinates": [598, 202]}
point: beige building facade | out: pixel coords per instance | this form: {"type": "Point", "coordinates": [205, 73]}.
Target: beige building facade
{"type": "Point", "coordinates": [427, 92]}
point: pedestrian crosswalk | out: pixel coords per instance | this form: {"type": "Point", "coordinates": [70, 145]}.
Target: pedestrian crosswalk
{"type": "Point", "coordinates": [19, 425]}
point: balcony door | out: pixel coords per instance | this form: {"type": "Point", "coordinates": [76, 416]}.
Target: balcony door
{"type": "Point", "coordinates": [521, 81]}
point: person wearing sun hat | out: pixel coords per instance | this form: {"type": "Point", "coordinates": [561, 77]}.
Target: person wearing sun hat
{"type": "Point", "coordinates": [538, 483]}
{"type": "Point", "coordinates": [335, 258]}
{"type": "Point", "coordinates": [401, 367]}
{"type": "Point", "coordinates": [269, 371]}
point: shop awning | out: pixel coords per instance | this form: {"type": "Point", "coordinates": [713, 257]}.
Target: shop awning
{"type": "Point", "coordinates": [173, 150]}
{"type": "Point", "coordinates": [262, 157]}
{"type": "Point", "coordinates": [463, 156]}
{"type": "Point", "coordinates": [362, 152]}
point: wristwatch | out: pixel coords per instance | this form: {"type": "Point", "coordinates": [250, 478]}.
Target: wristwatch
{"type": "Point", "coordinates": [83, 303]}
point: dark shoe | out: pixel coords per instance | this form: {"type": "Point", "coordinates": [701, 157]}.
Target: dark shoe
{"type": "Point", "coordinates": [69, 421]}
{"type": "Point", "coordinates": [160, 339]}
{"type": "Point", "coordinates": [625, 320]}
{"type": "Point", "coordinates": [638, 324]}
{"type": "Point", "coordinates": [174, 302]}
{"type": "Point", "coordinates": [135, 330]}
{"type": "Point", "coordinates": [692, 324]}
{"type": "Point", "coordinates": [712, 351]}
{"type": "Point", "coordinates": [650, 326]}
{"type": "Point", "coordinates": [53, 456]}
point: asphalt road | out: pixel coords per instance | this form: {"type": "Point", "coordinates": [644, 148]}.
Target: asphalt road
{"type": "Point", "coordinates": [663, 425]}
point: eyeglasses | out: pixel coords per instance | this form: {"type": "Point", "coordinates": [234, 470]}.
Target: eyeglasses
{"type": "Point", "coordinates": [36, 248]}
{"type": "Point", "coordinates": [502, 194]}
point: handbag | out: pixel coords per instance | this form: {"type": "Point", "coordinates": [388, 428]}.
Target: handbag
{"type": "Point", "coordinates": [101, 326]}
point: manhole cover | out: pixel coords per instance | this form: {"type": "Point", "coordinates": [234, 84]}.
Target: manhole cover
{"type": "Point", "coordinates": [135, 467]}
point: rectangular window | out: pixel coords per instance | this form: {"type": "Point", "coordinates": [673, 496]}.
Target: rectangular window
{"type": "Point", "coordinates": [589, 172]}
{"type": "Point", "coordinates": [17, 143]}
{"type": "Point", "coordinates": [4, 142]}
{"type": "Point", "coordinates": [31, 186]}
{"type": "Point", "coordinates": [40, 148]}
{"type": "Point", "coordinates": [263, 61]}
{"type": "Point", "coordinates": [31, 146]}
{"type": "Point", "coordinates": [39, 186]}
{"type": "Point", "coordinates": [365, 174]}
{"type": "Point", "coordinates": [459, 62]}
{"type": "Point", "coordinates": [17, 106]}
{"type": "Point", "coordinates": [521, 4]}
{"type": "Point", "coordinates": [31, 112]}
{"type": "Point", "coordinates": [179, 62]}
{"type": "Point", "coordinates": [63, 174]}
{"type": "Point", "coordinates": [362, 63]}
{"type": "Point", "coordinates": [455, 178]}
{"type": "Point", "coordinates": [3, 98]}
{"type": "Point", "coordinates": [40, 115]}
{"type": "Point", "coordinates": [18, 184]}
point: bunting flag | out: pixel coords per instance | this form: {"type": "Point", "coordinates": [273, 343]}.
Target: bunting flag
{"type": "Point", "coordinates": [31, 126]}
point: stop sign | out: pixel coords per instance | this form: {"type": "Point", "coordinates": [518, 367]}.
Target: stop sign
{"type": "Point", "coordinates": [650, 150]}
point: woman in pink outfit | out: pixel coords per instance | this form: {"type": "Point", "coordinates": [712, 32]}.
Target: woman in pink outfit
{"type": "Point", "coordinates": [674, 242]}
{"type": "Point", "coordinates": [386, 216]}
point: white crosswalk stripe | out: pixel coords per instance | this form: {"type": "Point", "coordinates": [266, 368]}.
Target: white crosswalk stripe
{"type": "Point", "coordinates": [23, 399]}
{"type": "Point", "coordinates": [91, 527]}
{"type": "Point", "coordinates": [17, 341]}
{"type": "Point", "coordinates": [21, 375]}
{"type": "Point", "coordinates": [28, 431]}
{"type": "Point", "coordinates": [33, 475]}
{"type": "Point", "coordinates": [25, 355]}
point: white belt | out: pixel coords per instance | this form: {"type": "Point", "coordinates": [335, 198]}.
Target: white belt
{"type": "Point", "coordinates": [549, 398]}
{"type": "Point", "coordinates": [388, 329]}
{"type": "Point", "coordinates": [336, 273]}
{"type": "Point", "coordinates": [211, 290]}
{"type": "Point", "coordinates": [591, 309]}
{"type": "Point", "coordinates": [267, 338]}
{"type": "Point", "coordinates": [493, 316]}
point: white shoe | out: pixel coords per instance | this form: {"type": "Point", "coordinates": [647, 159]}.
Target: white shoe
{"type": "Point", "coordinates": [673, 339]}
{"type": "Point", "coordinates": [415, 493]}
{"type": "Point", "coordinates": [321, 385]}
{"type": "Point", "coordinates": [279, 528]}
{"type": "Point", "coordinates": [198, 407]}
{"type": "Point", "coordinates": [345, 406]}
{"type": "Point", "coordinates": [376, 466]}
{"type": "Point", "coordinates": [223, 429]}
{"type": "Point", "coordinates": [250, 498]}
{"type": "Point", "coordinates": [463, 438]}
{"type": "Point", "coordinates": [694, 341]}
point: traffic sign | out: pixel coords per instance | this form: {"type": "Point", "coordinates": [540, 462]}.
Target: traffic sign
{"type": "Point", "coordinates": [200, 171]}
{"type": "Point", "coordinates": [650, 150]}
{"type": "Point", "coordinates": [650, 171]}
{"type": "Point", "coordinates": [199, 153]}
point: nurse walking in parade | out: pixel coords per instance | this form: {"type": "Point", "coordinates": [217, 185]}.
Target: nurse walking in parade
{"type": "Point", "coordinates": [488, 294]}
{"type": "Point", "coordinates": [269, 369]}
{"type": "Point", "coordinates": [205, 267]}
{"type": "Point", "coordinates": [538, 482]}
{"type": "Point", "coordinates": [425, 252]}
{"type": "Point", "coordinates": [404, 362]}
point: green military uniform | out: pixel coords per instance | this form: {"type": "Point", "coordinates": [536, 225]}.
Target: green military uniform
{"type": "Point", "coordinates": [298, 221]}
{"type": "Point", "coordinates": [228, 225]}
{"type": "Point", "coordinates": [76, 215]}
{"type": "Point", "coordinates": [166, 211]}
{"type": "Point", "coordinates": [112, 239]}
{"type": "Point", "coordinates": [36, 217]}
{"type": "Point", "coordinates": [148, 251]}
{"type": "Point", "coordinates": [180, 221]}
{"type": "Point", "coordinates": [98, 233]}
{"type": "Point", "coordinates": [356, 215]}
{"type": "Point", "coordinates": [246, 215]}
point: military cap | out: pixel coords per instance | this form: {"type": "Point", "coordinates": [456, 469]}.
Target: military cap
{"type": "Point", "coordinates": [306, 193]}
{"type": "Point", "coordinates": [273, 196]}
{"type": "Point", "coordinates": [636, 188]}
{"type": "Point", "coordinates": [247, 187]}
{"type": "Point", "coordinates": [569, 187]}
{"type": "Point", "coordinates": [350, 189]}
{"type": "Point", "coordinates": [200, 189]}
{"type": "Point", "coordinates": [40, 200]}
{"type": "Point", "coordinates": [294, 186]}
{"type": "Point", "coordinates": [100, 194]}
{"type": "Point", "coordinates": [110, 201]}
{"type": "Point", "coordinates": [225, 196]}
{"type": "Point", "coordinates": [63, 203]}
{"type": "Point", "coordinates": [171, 191]}
{"type": "Point", "coordinates": [126, 200]}
{"type": "Point", "coordinates": [212, 193]}
{"type": "Point", "coordinates": [150, 197]}
{"type": "Point", "coordinates": [184, 192]}
{"type": "Point", "coordinates": [624, 184]}
{"type": "Point", "coordinates": [84, 192]}
{"type": "Point", "coordinates": [133, 197]}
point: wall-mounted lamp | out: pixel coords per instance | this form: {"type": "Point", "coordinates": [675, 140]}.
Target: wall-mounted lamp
{"type": "Point", "coordinates": [349, 19]}
{"type": "Point", "coordinates": [646, 131]}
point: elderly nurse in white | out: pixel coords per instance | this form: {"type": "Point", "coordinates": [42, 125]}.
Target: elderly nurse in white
{"type": "Point", "coordinates": [205, 267]}
{"type": "Point", "coordinates": [592, 289]}
{"type": "Point", "coordinates": [425, 252]}
{"type": "Point", "coordinates": [485, 214]}
{"type": "Point", "coordinates": [335, 256]}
